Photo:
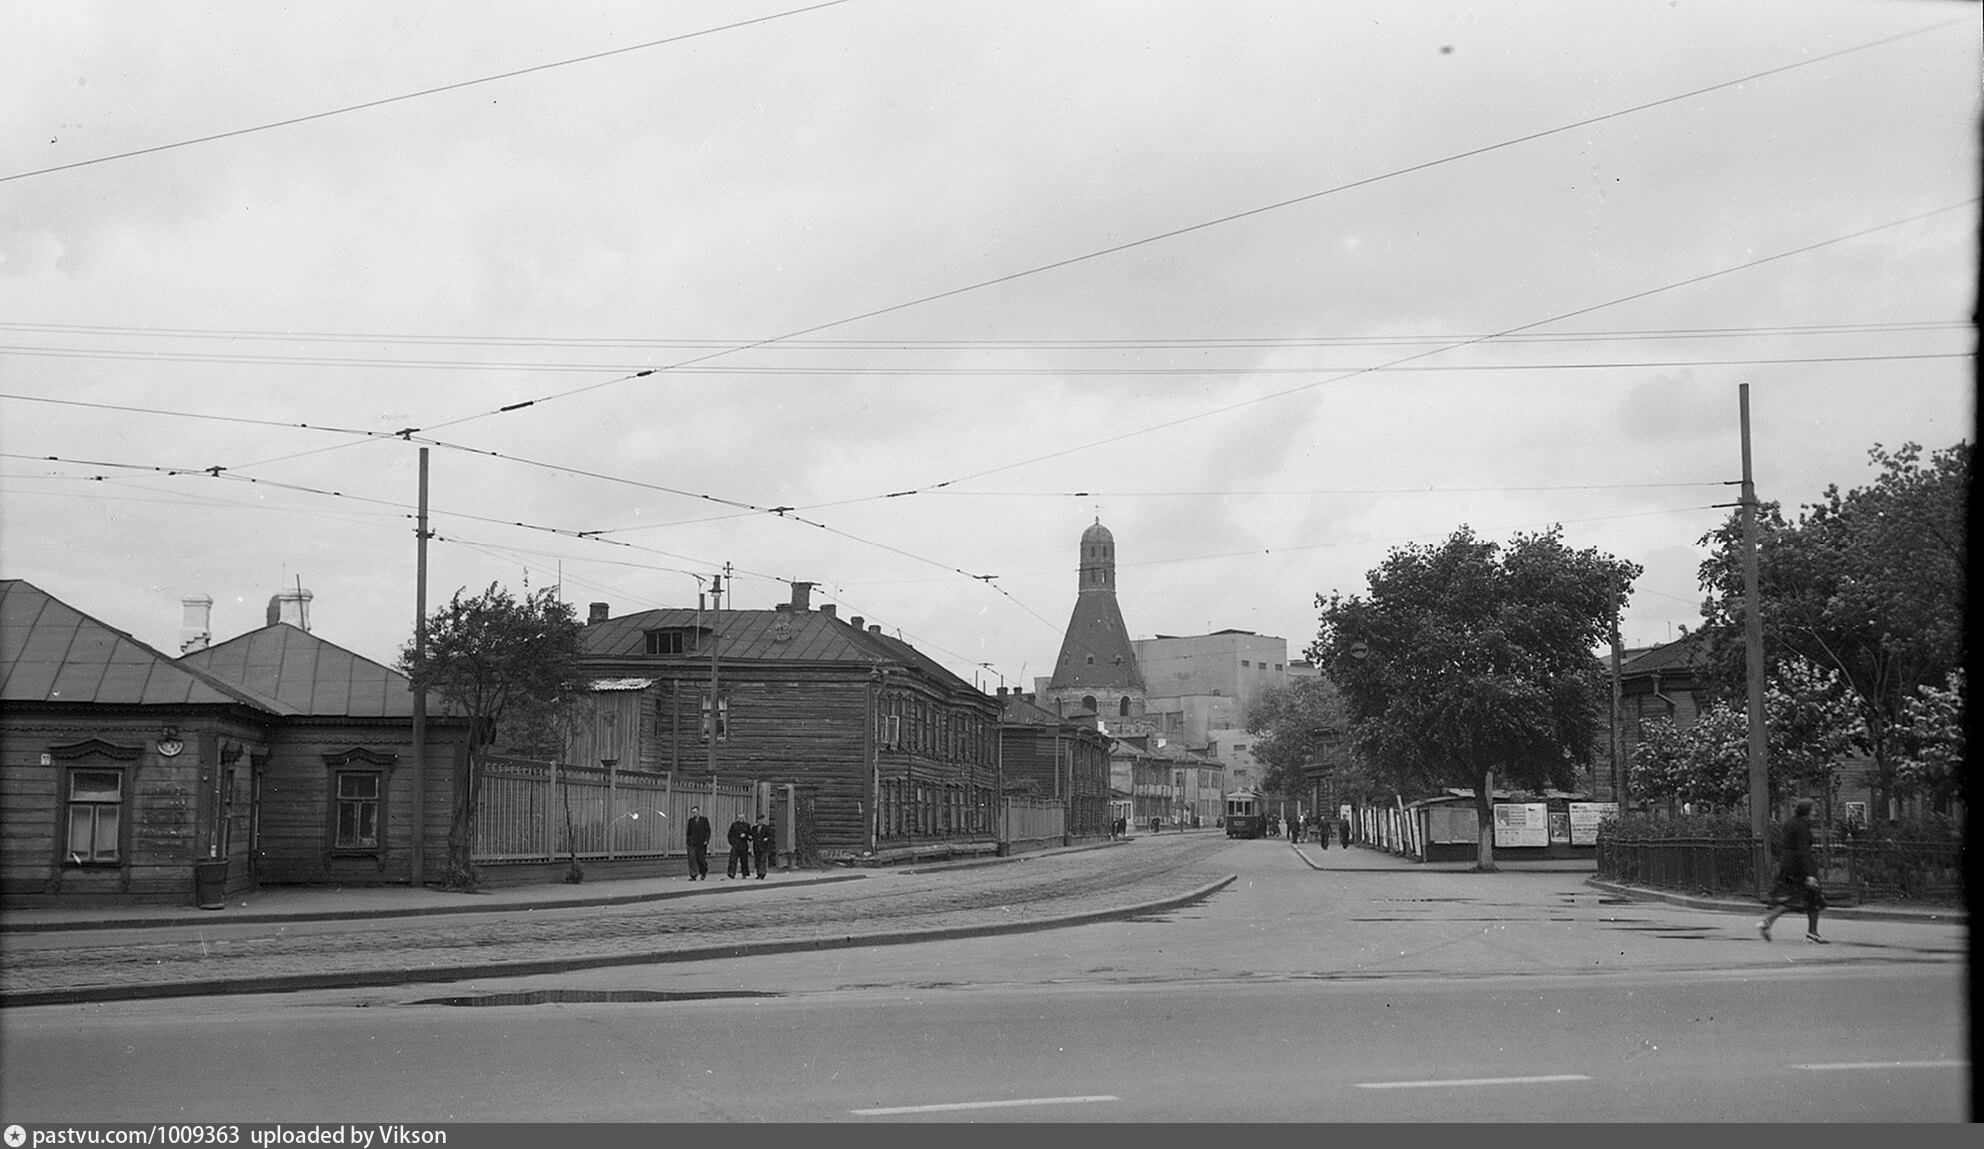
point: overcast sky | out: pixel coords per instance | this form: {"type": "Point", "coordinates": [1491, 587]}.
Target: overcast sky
{"type": "Point", "coordinates": [1269, 289]}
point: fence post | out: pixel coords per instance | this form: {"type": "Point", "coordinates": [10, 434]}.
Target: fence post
{"type": "Point", "coordinates": [550, 821]}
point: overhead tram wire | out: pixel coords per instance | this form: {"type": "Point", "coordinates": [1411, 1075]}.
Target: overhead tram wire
{"type": "Point", "coordinates": [1039, 269]}
{"type": "Point", "coordinates": [1114, 344]}
{"type": "Point", "coordinates": [1248, 213]}
{"type": "Point", "coordinates": [861, 371]}
{"type": "Point", "coordinates": [403, 97]}
{"type": "Point", "coordinates": [792, 512]}
{"type": "Point", "coordinates": [1183, 419]}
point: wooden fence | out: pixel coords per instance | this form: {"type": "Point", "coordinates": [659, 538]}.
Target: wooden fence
{"type": "Point", "coordinates": [537, 811]}
{"type": "Point", "coordinates": [1034, 821]}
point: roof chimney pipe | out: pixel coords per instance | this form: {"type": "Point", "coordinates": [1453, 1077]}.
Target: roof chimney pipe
{"type": "Point", "coordinates": [195, 626]}
{"type": "Point", "coordinates": [292, 607]}
{"type": "Point", "coordinates": [596, 613]}
{"type": "Point", "coordinates": [802, 596]}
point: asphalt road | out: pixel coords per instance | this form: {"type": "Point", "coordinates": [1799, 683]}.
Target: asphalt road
{"type": "Point", "coordinates": [1368, 990]}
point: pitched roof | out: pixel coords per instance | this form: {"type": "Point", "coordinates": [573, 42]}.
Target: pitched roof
{"type": "Point", "coordinates": [1682, 654]}
{"type": "Point", "coordinates": [310, 676]}
{"type": "Point", "coordinates": [762, 636]}
{"type": "Point", "coordinates": [52, 652]}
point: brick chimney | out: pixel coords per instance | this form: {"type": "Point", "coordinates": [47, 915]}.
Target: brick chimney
{"type": "Point", "coordinates": [196, 626]}
{"type": "Point", "coordinates": [595, 613]}
{"type": "Point", "coordinates": [830, 610]}
{"type": "Point", "coordinates": [855, 622]}
{"type": "Point", "coordinates": [292, 607]}
{"type": "Point", "coordinates": [802, 597]}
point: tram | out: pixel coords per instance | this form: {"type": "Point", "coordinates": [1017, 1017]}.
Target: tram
{"type": "Point", "coordinates": [1246, 815]}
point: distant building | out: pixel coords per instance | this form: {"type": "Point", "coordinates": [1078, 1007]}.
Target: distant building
{"type": "Point", "coordinates": [273, 757]}
{"type": "Point", "coordinates": [1201, 683]}
{"type": "Point", "coordinates": [1044, 755]}
{"type": "Point", "coordinates": [892, 749]}
{"type": "Point", "coordinates": [1097, 669]}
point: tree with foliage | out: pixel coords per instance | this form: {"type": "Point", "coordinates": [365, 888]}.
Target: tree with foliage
{"type": "Point", "coordinates": [1871, 584]}
{"type": "Point", "coordinates": [509, 664]}
{"type": "Point", "coordinates": [1298, 728]}
{"type": "Point", "coordinates": [1930, 733]}
{"type": "Point", "coordinates": [1469, 662]}
{"type": "Point", "coordinates": [1810, 725]}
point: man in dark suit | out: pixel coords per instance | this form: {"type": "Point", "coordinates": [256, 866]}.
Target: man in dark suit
{"type": "Point", "coordinates": [699, 845]}
{"type": "Point", "coordinates": [764, 843]}
{"type": "Point", "coordinates": [739, 837]}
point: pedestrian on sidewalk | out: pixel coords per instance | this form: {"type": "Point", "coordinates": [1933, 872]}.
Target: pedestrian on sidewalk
{"type": "Point", "coordinates": [764, 843]}
{"type": "Point", "coordinates": [1322, 831]}
{"type": "Point", "coordinates": [739, 837]}
{"type": "Point", "coordinates": [699, 845]}
{"type": "Point", "coordinates": [1343, 833]}
{"type": "Point", "coordinates": [1797, 876]}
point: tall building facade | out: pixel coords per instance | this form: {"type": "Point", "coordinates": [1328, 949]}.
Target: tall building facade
{"type": "Point", "coordinates": [1097, 671]}
{"type": "Point", "coordinates": [1200, 686]}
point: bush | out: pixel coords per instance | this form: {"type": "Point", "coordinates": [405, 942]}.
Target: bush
{"type": "Point", "coordinates": [1640, 827]}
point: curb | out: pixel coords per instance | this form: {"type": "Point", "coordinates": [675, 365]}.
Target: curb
{"type": "Point", "coordinates": [497, 905]}
{"type": "Point", "coordinates": [360, 979]}
{"type": "Point", "coordinates": [1729, 906]}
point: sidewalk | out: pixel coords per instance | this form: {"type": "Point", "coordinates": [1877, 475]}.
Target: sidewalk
{"type": "Point", "coordinates": [1334, 858]}
{"type": "Point", "coordinates": [351, 903]}
{"type": "Point", "coordinates": [1871, 911]}
{"type": "Point", "coordinates": [54, 958]}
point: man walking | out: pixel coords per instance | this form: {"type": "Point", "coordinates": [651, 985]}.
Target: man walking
{"type": "Point", "coordinates": [739, 837]}
{"type": "Point", "coordinates": [764, 844]}
{"type": "Point", "coordinates": [1797, 876]}
{"type": "Point", "coordinates": [699, 845]}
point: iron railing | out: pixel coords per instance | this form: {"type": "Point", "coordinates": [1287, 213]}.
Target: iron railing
{"type": "Point", "coordinates": [1867, 870]}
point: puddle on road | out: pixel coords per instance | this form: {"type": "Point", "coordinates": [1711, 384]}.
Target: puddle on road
{"type": "Point", "coordinates": [588, 996]}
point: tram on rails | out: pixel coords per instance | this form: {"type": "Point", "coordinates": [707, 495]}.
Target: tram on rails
{"type": "Point", "coordinates": [1246, 815]}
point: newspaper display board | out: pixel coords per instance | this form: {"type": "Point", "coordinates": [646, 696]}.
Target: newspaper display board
{"type": "Point", "coordinates": [1585, 817]}
{"type": "Point", "coordinates": [1522, 824]}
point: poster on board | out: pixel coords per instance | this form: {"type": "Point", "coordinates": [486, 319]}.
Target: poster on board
{"type": "Point", "coordinates": [1585, 817]}
{"type": "Point", "coordinates": [1522, 824]}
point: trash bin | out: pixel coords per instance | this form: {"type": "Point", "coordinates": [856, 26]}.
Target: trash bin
{"type": "Point", "coordinates": [210, 884]}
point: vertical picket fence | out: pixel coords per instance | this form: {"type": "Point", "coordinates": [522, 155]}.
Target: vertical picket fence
{"type": "Point", "coordinates": [539, 811]}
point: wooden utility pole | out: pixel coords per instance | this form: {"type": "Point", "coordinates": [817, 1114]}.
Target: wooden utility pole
{"type": "Point", "coordinates": [1615, 730]}
{"type": "Point", "coordinates": [716, 604]}
{"type": "Point", "coordinates": [1753, 657]}
{"type": "Point", "coordinates": [416, 875]}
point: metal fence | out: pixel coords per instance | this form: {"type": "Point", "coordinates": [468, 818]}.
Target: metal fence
{"type": "Point", "coordinates": [537, 811]}
{"type": "Point", "coordinates": [1697, 865]}
{"type": "Point", "coordinates": [1886, 870]}
{"type": "Point", "coordinates": [1879, 870]}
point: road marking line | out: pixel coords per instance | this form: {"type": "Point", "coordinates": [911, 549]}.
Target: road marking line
{"type": "Point", "coordinates": [956, 1105]}
{"type": "Point", "coordinates": [1471, 1081]}
{"type": "Point", "coordinates": [1885, 1065]}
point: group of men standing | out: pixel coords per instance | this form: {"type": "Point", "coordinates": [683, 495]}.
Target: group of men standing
{"type": "Point", "coordinates": [747, 842]}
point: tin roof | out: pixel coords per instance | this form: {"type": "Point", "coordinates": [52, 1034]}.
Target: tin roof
{"type": "Point", "coordinates": [760, 636]}
{"type": "Point", "coordinates": [1682, 654]}
{"type": "Point", "coordinates": [310, 676]}
{"type": "Point", "coordinates": [52, 652]}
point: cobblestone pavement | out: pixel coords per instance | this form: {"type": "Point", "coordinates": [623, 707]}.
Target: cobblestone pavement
{"type": "Point", "coordinates": [996, 896]}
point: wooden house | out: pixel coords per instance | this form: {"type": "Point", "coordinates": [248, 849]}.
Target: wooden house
{"type": "Point", "coordinates": [332, 793]}
{"type": "Point", "coordinates": [1047, 755]}
{"type": "Point", "coordinates": [123, 769]}
{"type": "Point", "coordinates": [890, 749]}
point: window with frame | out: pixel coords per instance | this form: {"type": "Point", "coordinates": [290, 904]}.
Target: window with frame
{"type": "Point", "coordinates": [669, 641]}
{"type": "Point", "coordinates": [358, 794]}
{"type": "Point", "coordinates": [722, 719]}
{"type": "Point", "coordinates": [96, 817]}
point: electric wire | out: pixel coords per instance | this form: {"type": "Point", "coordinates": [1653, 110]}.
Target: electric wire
{"type": "Point", "coordinates": [405, 96]}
